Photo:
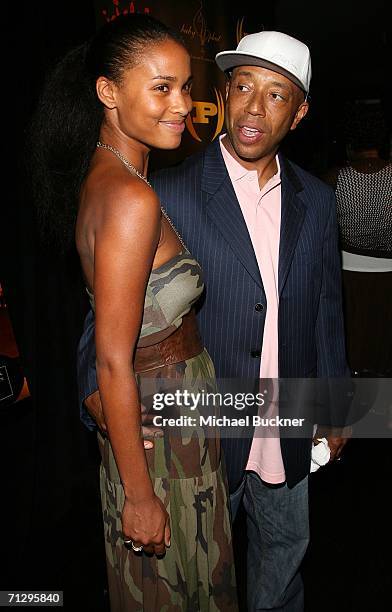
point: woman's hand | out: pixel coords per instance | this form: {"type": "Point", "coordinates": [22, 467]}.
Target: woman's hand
{"type": "Point", "coordinates": [147, 524]}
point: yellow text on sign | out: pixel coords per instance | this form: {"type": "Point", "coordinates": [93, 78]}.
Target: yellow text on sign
{"type": "Point", "coordinates": [204, 110]}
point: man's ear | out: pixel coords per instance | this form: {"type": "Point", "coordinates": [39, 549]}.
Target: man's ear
{"type": "Point", "coordinates": [300, 114]}
{"type": "Point", "coordinates": [106, 92]}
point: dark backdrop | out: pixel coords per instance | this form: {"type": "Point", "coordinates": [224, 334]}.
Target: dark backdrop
{"type": "Point", "coordinates": [51, 529]}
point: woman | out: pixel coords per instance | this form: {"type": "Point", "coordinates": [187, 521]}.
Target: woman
{"type": "Point", "coordinates": [363, 194]}
{"type": "Point", "coordinates": [127, 91]}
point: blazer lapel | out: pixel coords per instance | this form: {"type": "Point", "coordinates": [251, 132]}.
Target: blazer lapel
{"type": "Point", "coordinates": [292, 216]}
{"type": "Point", "coordinates": [224, 210]}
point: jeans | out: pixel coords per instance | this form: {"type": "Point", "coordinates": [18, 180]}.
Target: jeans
{"type": "Point", "coordinates": [278, 535]}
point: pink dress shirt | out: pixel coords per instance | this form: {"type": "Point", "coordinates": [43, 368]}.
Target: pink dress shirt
{"type": "Point", "coordinates": [261, 210]}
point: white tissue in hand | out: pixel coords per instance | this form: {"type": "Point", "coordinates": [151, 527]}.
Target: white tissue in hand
{"type": "Point", "coordinates": [320, 454]}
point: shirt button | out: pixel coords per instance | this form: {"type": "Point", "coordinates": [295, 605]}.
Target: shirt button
{"type": "Point", "coordinates": [259, 307]}
{"type": "Point", "coordinates": [255, 354]}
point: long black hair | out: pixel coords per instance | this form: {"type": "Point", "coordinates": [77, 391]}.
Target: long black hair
{"type": "Point", "coordinates": [66, 124]}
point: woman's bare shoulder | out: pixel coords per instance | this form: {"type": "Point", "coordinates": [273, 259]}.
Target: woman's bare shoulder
{"type": "Point", "coordinates": [112, 192]}
{"type": "Point", "coordinates": [115, 206]}
{"type": "Point", "coordinates": [116, 187]}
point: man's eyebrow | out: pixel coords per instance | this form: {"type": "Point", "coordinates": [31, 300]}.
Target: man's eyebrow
{"type": "Point", "coordinates": [280, 84]}
{"type": "Point", "coordinates": [245, 73]}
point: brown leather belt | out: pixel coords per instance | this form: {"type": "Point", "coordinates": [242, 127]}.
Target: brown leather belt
{"type": "Point", "coordinates": [182, 344]}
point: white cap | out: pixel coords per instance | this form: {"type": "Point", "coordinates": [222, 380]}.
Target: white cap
{"type": "Point", "coordinates": [273, 50]}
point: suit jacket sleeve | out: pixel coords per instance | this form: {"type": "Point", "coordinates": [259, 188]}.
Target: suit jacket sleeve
{"type": "Point", "coordinates": [334, 386]}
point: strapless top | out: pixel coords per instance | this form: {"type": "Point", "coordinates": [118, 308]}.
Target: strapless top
{"type": "Point", "coordinates": [171, 291]}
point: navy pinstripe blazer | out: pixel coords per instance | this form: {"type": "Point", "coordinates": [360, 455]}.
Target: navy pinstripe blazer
{"type": "Point", "coordinates": [200, 199]}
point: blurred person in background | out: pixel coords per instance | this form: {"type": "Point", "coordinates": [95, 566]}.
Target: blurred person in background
{"type": "Point", "coordinates": [364, 208]}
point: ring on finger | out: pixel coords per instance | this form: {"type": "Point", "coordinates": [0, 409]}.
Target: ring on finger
{"type": "Point", "coordinates": [132, 544]}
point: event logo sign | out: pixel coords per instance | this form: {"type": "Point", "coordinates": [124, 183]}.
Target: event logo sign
{"type": "Point", "coordinates": [239, 30]}
{"type": "Point", "coordinates": [123, 8]}
{"type": "Point", "coordinates": [205, 112]}
{"type": "Point", "coordinates": [200, 30]}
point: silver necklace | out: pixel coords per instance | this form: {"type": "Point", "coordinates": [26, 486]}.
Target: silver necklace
{"type": "Point", "coordinates": [132, 168]}
{"type": "Point", "coordinates": [124, 160]}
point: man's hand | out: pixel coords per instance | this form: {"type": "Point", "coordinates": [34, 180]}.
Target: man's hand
{"type": "Point", "coordinates": [148, 428]}
{"type": "Point", "coordinates": [337, 439]}
{"type": "Point", "coordinates": [336, 445]}
{"type": "Point", "coordinates": [94, 408]}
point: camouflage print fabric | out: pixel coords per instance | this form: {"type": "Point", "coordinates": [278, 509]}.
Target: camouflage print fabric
{"type": "Point", "coordinates": [197, 572]}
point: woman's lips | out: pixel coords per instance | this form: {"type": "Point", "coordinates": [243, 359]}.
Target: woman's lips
{"type": "Point", "coordinates": [176, 126]}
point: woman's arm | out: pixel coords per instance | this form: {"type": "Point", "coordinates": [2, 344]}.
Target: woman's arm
{"type": "Point", "coordinates": [126, 238]}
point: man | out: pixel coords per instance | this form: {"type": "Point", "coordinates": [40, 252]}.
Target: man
{"type": "Point", "coordinates": [264, 232]}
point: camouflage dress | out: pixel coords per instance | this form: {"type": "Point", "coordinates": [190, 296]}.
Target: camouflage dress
{"type": "Point", "coordinates": [197, 572]}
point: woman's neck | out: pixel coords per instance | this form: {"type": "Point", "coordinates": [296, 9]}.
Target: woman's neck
{"type": "Point", "coordinates": [134, 151]}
